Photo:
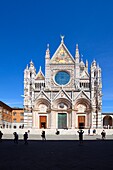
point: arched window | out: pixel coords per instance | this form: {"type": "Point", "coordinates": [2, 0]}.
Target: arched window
{"type": "Point", "coordinates": [107, 120]}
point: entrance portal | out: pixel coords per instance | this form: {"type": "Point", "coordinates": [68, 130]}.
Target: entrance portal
{"type": "Point", "coordinates": [107, 121]}
{"type": "Point", "coordinates": [43, 122]}
{"type": "Point", "coordinates": [81, 122]}
{"type": "Point", "coordinates": [62, 120]}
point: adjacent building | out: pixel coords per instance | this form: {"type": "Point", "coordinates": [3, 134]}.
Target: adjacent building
{"type": "Point", "coordinates": [11, 117]}
{"type": "Point", "coordinates": [17, 117]}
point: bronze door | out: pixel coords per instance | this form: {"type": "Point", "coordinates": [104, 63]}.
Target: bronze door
{"type": "Point", "coordinates": [81, 122]}
{"type": "Point", "coordinates": [43, 122]}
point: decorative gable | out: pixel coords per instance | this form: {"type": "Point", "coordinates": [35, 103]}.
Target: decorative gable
{"type": "Point", "coordinates": [62, 94]}
{"type": "Point", "coordinates": [42, 95]}
{"type": "Point", "coordinates": [84, 74]}
{"type": "Point", "coordinates": [82, 94]}
{"type": "Point", "coordinates": [62, 56]}
{"type": "Point", "coordinates": [40, 75]}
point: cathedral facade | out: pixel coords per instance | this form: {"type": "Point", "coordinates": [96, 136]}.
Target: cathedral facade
{"type": "Point", "coordinates": [67, 96]}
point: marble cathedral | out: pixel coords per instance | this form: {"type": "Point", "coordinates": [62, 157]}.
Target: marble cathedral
{"type": "Point", "coordinates": [67, 96]}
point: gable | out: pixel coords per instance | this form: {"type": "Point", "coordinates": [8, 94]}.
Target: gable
{"type": "Point", "coordinates": [40, 76]}
{"type": "Point", "coordinates": [42, 95]}
{"type": "Point", "coordinates": [62, 56]}
{"type": "Point", "coordinates": [62, 94]}
{"type": "Point", "coordinates": [84, 74]}
{"type": "Point", "coordinates": [82, 94]}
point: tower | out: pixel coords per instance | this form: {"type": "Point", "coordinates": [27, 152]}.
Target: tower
{"type": "Point", "coordinates": [96, 95]}
{"type": "Point", "coordinates": [77, 60]}
{"type": "Point", "coordinates": [47, 68]}
{"type": "Point", "coordinates": [29, 87]}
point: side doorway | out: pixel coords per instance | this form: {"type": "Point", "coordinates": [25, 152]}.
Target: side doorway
{"type": "Point", "coordinates": [43, 122]}
{"type": "Point", "coordinates": [81, 122]}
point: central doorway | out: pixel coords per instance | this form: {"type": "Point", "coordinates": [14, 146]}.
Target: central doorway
{"type": "Point", "coordinates": [43, 122]}
{"type": "Point", "coordinates": [81, 122]}
{"type": "Point", "coordinates": [62, 120]}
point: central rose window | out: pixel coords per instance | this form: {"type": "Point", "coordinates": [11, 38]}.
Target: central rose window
{"type": "Point", "coordinates": [62, 77]}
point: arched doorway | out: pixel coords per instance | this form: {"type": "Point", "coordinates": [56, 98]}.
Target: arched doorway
{"type": "Point", "coordinates": [41, 117]}
{"type": "Point", "coordinates": [62, 110]}
{"type": "Point", "coordinates": [62, 120]}
{"type": "Point", "coordinates": [81, 122]}
{"type": "Point", "coordinates": [107, 121]}
{"type": "Point", "coordinates": [82, 113]}
{"type": "Point", "coordinates": [43, 122]}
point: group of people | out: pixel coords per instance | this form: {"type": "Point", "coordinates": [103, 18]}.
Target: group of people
{"type": "Point", "coordinates": [94, 131]}
{"type": "Point", "coordinates": [103, 134]}
{"type": "Point", "coordinates": [25, 136]}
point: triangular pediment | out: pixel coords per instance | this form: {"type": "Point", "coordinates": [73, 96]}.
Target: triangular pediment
{"type": "Point", "coordinates": [84, 74]}
{"type": "Point", "coordinates": [82, 94]}
{"type": "Point", "coordinates": [62, 94]}
{"type": "Point", "coordinates": [43, 95]}
{"type": "Point", "coordinates": [62, 56]}
{"type": "Point", "coordinates": [40, 75]}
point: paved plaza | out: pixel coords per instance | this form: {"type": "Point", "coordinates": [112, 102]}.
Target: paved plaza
{"type": "Point", "coordinates": [92, 154]}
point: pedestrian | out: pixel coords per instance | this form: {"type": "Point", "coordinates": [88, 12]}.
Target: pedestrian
{"type": "Point", "coordinates": [25, 138]}
{"type": "Point", "coordinates": [94, 132]}
{"type": "Point", "coordinates": [80, 135]}
{"type": "Point", "coordinates": [103, 133]}
{"type": "Point", "coordinates": [15, 137]}
{"type": "Point", "coordinates": [43, 135]}
{"type": "Point", "coordinates": [89, 131]}
{"type": "Point", "coordinates": [1, 134]}
{"type": "Point", "coordinates": [57, 132]}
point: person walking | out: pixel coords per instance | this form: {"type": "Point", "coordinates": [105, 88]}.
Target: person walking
{"type": "Point", "coordinates": [94, 132]}
{"type": "Point", "coordinates": [57, 132]}
{"type": "Point", "coordinates": [89, 131]}
{"type": "Point", "coordinates": [43, 135]}
{"type": "Point", "coordinates": [25, 138]}
{"type": "Point", "coordinates": [80, 135]}
{"type": "Point", "coordinates": [1, 134]}
{"type": "Point", "coordinates": [15, 137]}
{"type": "Point", "coordinates": [103, 133]}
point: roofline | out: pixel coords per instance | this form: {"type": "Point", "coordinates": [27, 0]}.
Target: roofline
{"type": "Point", "coordinates": [107, 113]}
{"type": "Point", "coordinates": [14, 108]}
{"type": "Point", "coordinates": [4, 105]}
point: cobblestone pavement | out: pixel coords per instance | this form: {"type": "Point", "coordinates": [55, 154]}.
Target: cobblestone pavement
{"type": "Point", "coordinates": [57, 155]}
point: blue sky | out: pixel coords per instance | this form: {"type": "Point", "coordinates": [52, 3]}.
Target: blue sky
{"type": "Point", "coordinates": [27, 26]}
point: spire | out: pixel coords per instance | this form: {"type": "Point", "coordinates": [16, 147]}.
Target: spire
{"type": "Point", "coordinates": [47, 46]}
{"type": "Point", "coordinates": [94, 63]}
{"type": "Point", "coordinates": [48, 51]}
{"type": "Point", "coordinates": [77, 52]}
{"type": "Point", "coordinates": [62, 38]}
{"type": "Point", "coordinates": [40, 69]}
{"type": "Point", "coordinates": [86, 63]}
{"type": "Point", "coordinates": [32, 67]}
{"type": "Point", "coordinates": [31, 64]}
{"type": "Point", "coordinates": [27, 67]}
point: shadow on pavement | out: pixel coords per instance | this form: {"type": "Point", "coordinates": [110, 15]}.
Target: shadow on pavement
{"type": "Point", "coordinates": [56, 155]}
